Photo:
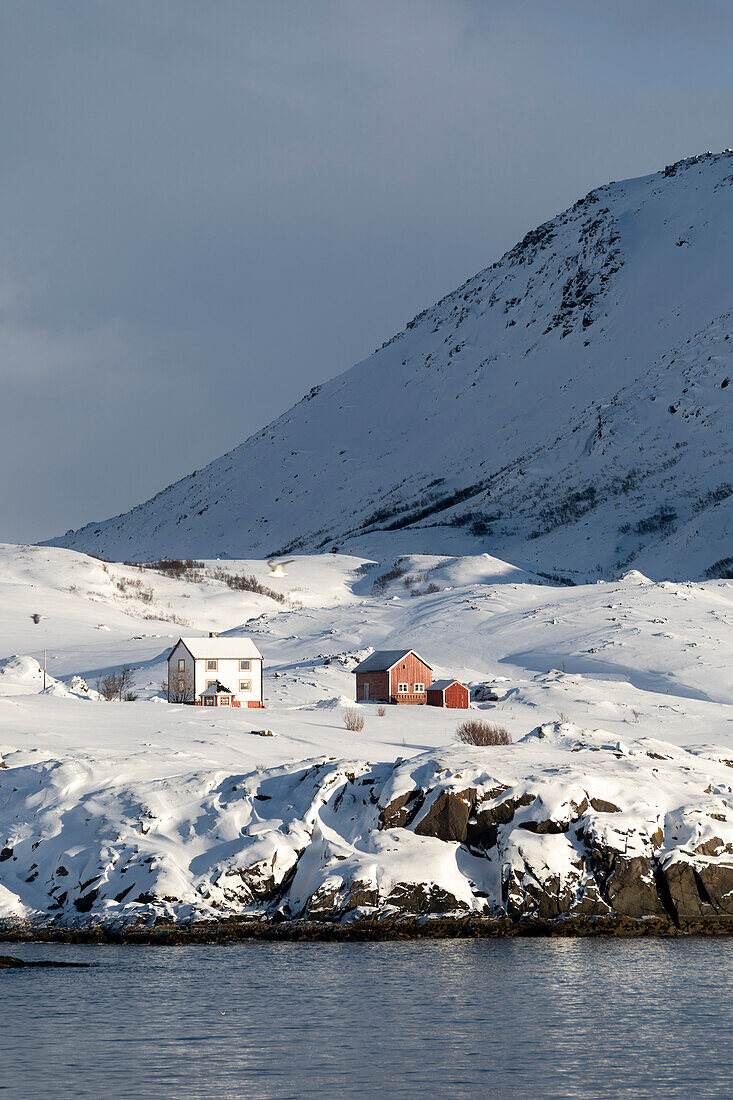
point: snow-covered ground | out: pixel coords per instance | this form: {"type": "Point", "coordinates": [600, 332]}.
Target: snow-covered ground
{"type": "Point", "coordinates": [95, 787]}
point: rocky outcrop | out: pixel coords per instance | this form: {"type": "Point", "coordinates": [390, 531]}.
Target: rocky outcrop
{"type": "Point", "coordinates": [447, 815]}
{"type": "Point", "coordinates": [699, 890]}
{"type": "Point", "coordinates": [11, 962]}
{"type": "Point", "coordinates": [401, 810]}
{"type": "Point", "coordinates": [563, 826]}
{"type": "Point", "coordinates": [490, 812]}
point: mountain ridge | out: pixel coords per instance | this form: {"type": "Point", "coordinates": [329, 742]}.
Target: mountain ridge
{"type": "Point", "coordinates": [590, 366]}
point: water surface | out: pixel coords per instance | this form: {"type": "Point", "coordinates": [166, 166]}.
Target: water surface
{"type": "Point", "coordinates": [515, 1018]}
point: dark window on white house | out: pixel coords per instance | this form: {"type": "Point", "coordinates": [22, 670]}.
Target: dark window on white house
{"type": "Point", "coordinates": [211, 666]}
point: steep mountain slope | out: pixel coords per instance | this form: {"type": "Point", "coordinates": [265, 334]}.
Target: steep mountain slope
{"type": "Point", "coordinates": [568, 407]}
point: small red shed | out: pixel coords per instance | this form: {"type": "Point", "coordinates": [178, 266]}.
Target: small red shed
{"type": "Point", "coordinates": [448, 693]}
{"type": "Point", "coordinates": [393, 676]}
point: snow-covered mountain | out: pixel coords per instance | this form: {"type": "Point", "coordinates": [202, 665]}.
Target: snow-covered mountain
{"type": "Point", "coordinates": [570, 407]}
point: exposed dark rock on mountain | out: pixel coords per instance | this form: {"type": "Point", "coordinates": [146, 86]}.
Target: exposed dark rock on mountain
{"type": "Point", "coordinates": [568, 407]}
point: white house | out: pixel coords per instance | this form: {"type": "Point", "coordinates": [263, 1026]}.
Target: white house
{"type": "Point", "coordinates": [215, 672]}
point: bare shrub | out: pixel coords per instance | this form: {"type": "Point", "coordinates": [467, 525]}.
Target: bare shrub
{"type": "Point", "coordinates": [117, 685]}
{"type": "Point", "coordinates": [381, 711]}
{"type": "Point", "coordinates": [398, 570]}
{"type": "Point", "coordinates": [477, 731]}
{"type": "Point", "coordinates": [178, 687]}
{"type": "Point", "coordinates": [124, 677]}
{"type": "Point", "coordinates": [132, 588]}
{"type": "Point", "coordinates": [189, 569]}
{"type": "Point", "coordinates": [562, 719]}
{"type": "Point", "coordinates": [107, 686]}
{"type": "Point", "coordinates": [432, 587]}
{"type": "Point", "coordinates": [242, 583]}
{"type": "Point", "coordinates": [164, 617]}
{"type": "Point", "coordinates": [184, 569]}
{"type": "Point", "coordinates": [353, 721]}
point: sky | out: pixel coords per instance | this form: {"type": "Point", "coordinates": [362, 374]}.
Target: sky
{"type": "Point", "coordinates": [209, 208]}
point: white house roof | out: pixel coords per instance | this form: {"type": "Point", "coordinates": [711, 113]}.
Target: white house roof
{"type": "Point", "coordinates": [215, 648]}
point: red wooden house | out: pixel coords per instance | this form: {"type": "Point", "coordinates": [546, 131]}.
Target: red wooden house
{"type": "Point", "coordinates": [393, 676]}
{"type": "Point", "coordinates": [448, 693]}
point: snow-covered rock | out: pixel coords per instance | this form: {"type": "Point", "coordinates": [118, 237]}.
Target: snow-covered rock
{"type": "Point", "coordinates": [23, 675]}
{"type": "Point", "coordinates": [564, 823]}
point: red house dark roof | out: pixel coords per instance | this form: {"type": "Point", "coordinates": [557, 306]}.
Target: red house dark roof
{"type": "Point", "coordinates": [382, 660]}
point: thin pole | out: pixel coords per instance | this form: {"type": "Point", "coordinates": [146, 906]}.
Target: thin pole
{"type": "Point", "coordinates": [44, 669]}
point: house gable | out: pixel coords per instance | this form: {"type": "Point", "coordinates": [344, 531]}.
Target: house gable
{"type": "Point", "coordinates": [180, 643]}
{"type": "Point", "coordinates": [408, 678]}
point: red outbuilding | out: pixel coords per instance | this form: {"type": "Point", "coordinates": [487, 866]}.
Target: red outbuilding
{"type": "Point", "coordinates": [393, 676]}
{"type": "Point", "coordinates": [448, 693]}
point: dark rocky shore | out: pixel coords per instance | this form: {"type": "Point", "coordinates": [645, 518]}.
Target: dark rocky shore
{"type": "Point", "coordinates": [163, 933]}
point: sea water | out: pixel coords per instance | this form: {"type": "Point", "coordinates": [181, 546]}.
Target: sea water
{"type": "Point", "coordinates": [511, 1018]}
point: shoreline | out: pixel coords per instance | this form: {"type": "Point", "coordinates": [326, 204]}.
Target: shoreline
{"type": "Point", "coordinates": [566, 832]}
{"type": "Point", "coordinates": [368, 930]}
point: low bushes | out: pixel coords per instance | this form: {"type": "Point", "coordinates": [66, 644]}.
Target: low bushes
{"type": "Point", "coordinates": [188, 569]}
{"type": "Point", "coordinates": [117, 685]}
{"type": "Point", "coordinates": [477, 731]}
{"type": "Point", "coordinates": [241, 583]}
{"type": "Point", "coordinates": [353, 721]}
{"type": "Point", "coordinates": [398, 570]}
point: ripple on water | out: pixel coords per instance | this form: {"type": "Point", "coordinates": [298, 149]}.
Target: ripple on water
{"type": "Point", "coordinates": [546, 1018]}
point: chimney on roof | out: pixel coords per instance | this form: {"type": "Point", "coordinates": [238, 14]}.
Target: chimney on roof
{"type": "Point", "coordinates": [213, 633]}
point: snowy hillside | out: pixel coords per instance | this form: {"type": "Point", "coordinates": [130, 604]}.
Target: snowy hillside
{"type": "Point", "coordinates": [127, 811]}
{"type": "Point", "coordinates": [570, 407]}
